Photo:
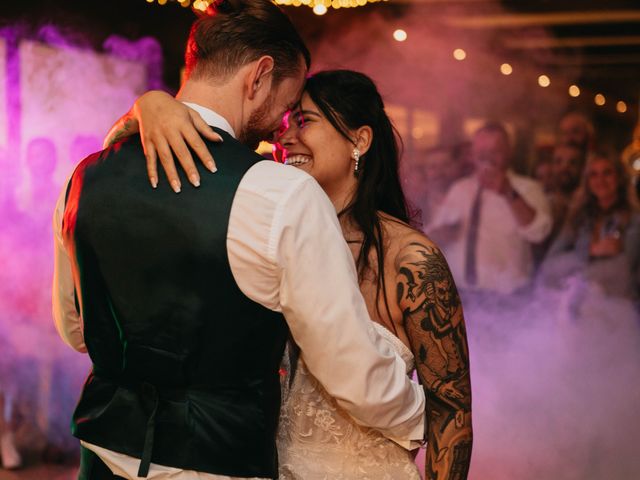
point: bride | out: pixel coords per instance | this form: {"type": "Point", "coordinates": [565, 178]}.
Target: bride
{"type": "Point", "coordinates": [341, 135]}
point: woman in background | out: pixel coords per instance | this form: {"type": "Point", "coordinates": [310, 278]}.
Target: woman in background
{"type": "Point", "coordinates": [601, 236]}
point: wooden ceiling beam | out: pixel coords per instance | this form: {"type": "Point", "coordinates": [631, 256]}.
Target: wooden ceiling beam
{"type": "Point", "coordinates": [524, 43]}
{"type": "Point", "coordinates": [518, 20]}
{"type": "Point", "coordinates": [597, 59]}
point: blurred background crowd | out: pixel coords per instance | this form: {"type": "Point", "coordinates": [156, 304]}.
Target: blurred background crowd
{"type": "Point", "coordinates": [521, 156]}
{"type": "Point", "coordinates": [573, 212]}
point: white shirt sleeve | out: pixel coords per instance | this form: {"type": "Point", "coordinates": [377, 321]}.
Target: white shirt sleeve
{"type": "Point", "coordinates": [533, 194]}
{"type": "Point", "coordinates": [65, 315]}
{"type": "Point", "coordinates": [321, 301]}
{"type": "Point", "coordinates": [450, 211]}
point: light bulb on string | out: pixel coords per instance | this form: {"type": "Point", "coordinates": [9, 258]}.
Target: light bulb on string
{"type": "Point", "coordinates": [506, 69]}
{"type": "Point", "coordinates": [544, 81]}
{"type": "Point", "coordinates": [320, 9]}
{"type": "Point", "coordinates": [400, 35]}
{"type": "Point", "coordinates": [459, 54]}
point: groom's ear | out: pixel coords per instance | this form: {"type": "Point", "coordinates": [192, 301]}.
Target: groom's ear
{"type": "Point", "coordinates": [260, 77]}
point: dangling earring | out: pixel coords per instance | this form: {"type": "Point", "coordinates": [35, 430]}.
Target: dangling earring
{"type": "Point", "coordinates": [356, 157]}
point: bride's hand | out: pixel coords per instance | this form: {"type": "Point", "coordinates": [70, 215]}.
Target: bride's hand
{"type": "Point", "coordinates": [167, 125]}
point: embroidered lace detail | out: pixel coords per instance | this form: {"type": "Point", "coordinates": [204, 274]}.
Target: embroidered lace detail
{"type": "Point", "coordinates": [317, 440]}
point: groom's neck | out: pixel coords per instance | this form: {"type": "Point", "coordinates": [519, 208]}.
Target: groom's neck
{"type": "Point", "coordinates": [224, 98]}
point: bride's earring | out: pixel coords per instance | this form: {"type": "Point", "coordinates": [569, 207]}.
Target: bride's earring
{"type": "Point", "coordinates": [356, 157]}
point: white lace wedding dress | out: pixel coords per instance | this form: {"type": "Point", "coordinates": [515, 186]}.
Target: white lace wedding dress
{"type": "Point", "coordinates": [317, 440]}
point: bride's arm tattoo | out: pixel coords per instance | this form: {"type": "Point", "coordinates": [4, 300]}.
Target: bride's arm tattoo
{"type": "Point", "coordinates": [125, 126]}
{"type": "Point", "coordinates": [434, 322]}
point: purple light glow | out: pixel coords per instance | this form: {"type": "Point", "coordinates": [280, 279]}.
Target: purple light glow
{"type": "Point", "coordinates": [57, 101]}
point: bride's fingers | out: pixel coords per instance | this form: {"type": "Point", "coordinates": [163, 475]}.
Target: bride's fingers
{"type": "Point", "coordinates": [181, 151]}
{"type": "Point", "coordinates": [168, 164]}
{"type": "Point", "coordinates": [197, 145]}
{"type": "Point", "coordinates": [195, 141]}
{"type": "Point", "coordinates": [152, 163]}
{"type": "Point", "coordinates": [203, 127]}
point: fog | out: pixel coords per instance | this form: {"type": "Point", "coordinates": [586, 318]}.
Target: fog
{"type": "Point", "coordinates": [59, 98]}
{"type": "Point", "coordinates": [554, 373]}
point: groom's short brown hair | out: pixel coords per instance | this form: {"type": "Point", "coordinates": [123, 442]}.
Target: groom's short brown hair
{"type": "Point", "coordinates": [236, 32]}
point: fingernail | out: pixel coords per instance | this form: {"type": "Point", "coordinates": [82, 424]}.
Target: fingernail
{"type": "Point", "coordinates": [154, 182]}
{"type": "Point", "coordinates": [220, 138]}
{"type": "Point", "coordinates": [195, 180]}
{"type": "Point", "coordinates": [212, 168]}
{"type": "Point", "coordinates": [176, 186]}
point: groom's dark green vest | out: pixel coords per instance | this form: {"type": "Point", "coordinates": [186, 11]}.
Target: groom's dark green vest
{"type": "Point", "coordinates": [185, 366]}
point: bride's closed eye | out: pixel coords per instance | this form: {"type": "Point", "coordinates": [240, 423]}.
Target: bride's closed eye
{"type": "Point", "coordinates": [305, 117]}
{"type": "Point", "coordinates": [300, 120]}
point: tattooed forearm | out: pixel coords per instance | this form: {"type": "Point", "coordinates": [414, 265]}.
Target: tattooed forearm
{"type": "Point", "coordinates": [434, 322]}
{"type": "Point", "coordinates": [461, 458]}
{"type": "Point", "coordinates": [125, 126]}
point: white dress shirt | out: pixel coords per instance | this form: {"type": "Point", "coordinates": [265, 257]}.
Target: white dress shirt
{"type": "Point", "coordinates": [503, 254]}
{"type": "Point", "coordinates": [287, 252]}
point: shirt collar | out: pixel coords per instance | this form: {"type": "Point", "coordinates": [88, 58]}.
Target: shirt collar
{"type": "Point", "coordinates": [212, 118]}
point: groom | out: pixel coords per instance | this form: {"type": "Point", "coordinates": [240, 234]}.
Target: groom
{"type": "Point", "coordinates": [184, 302]}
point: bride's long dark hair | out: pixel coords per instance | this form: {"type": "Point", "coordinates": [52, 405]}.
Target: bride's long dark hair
{"type": "Point", "coordinates": [350, 100]}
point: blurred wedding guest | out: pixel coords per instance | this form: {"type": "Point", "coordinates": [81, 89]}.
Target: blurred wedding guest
{"type": "Point", "coordinates": [8, 206]}
{"type": "Point", "coordinates": [600, 239]}
{"type": "Point", "coordinates": [488, 221]}
{"type": "Point", "coordinates": [9, 456]}
{"type": "Point", "coordinates": [576, 129]}
{"type": "Point", "coordinates": [567, 166]}
{"type": "Point", "coordinates": [437, 171]}
{"type": "Point", "coordinates": [461, 153]}
{"type": "Point", "coordinates": [543, 173]}
{"type": "Point", "coordinates": [41, 160]}
{"type": "Point", "coordinates": [565, 170]}
{"type": "Point", "coordinates": [631, 158]}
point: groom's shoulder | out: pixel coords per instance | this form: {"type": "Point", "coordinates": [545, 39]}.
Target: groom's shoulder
{"type": "Point", "coordinates": [128, 147]}
{"type": "Point", "coordinates": [272, 188]}
{"type": "Point", "coordinates": [275, 180]}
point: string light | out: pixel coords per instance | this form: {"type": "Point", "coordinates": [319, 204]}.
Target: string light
{"type": "Point", "coordinates": [201, 5]}
{"type": "Point", "coordinates": [506, 69]}
{"type": "Point", "coordinates": [544, 81]}
{"type": "Point", "coordinates": [400, 35]}
{"type": "Point", "coordinates": [459, 54]}
{"type": "Point", "coordinates": [322, 5]}
{"type": "Point", "coordinates": [320, 9]}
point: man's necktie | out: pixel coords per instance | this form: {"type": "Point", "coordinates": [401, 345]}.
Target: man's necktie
{"type": "Point", "coordinates": [470, 266]}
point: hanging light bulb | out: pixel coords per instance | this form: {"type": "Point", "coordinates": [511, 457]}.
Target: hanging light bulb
{"type": "Point", "coordinates": [544, 81]}
{"type": "Point", "coordinates": [506, 69]}
{"type": "Point", "coordinates": [459, 54]}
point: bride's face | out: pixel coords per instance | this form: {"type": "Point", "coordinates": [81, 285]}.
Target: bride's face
{"type": "Point", "coordinates": [311, 143]}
